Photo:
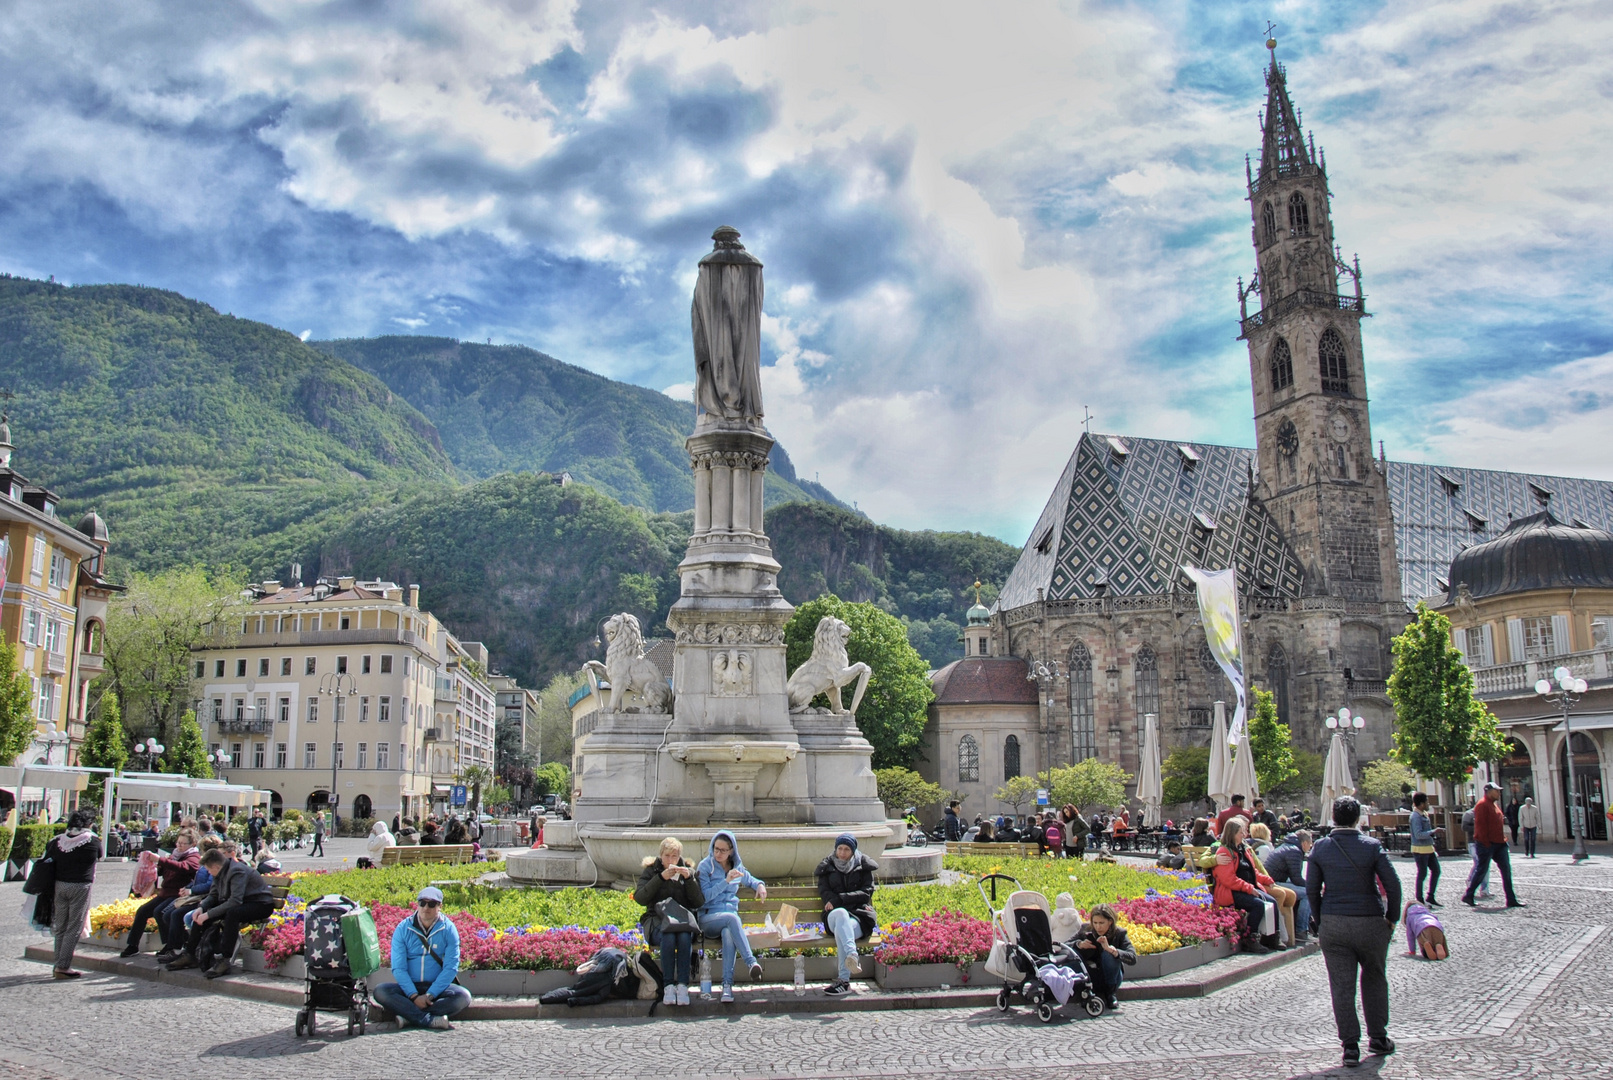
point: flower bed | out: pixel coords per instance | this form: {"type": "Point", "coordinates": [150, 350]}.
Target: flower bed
{"type": "Point", "coordinates": [947, 937]}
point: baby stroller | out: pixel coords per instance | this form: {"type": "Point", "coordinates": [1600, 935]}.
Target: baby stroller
{"type": "Point", "coordinates": [1028, 960]}
{"type": "Point", "coordinates": [340, 950]}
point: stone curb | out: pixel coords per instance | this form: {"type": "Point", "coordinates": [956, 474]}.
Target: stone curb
{"type": "Point", "coordinates": [272, 990]}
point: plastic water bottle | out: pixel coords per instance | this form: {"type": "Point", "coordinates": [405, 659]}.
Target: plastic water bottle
{"type": "Point", "coordinates": [705, 974]}
{"type": "Point", "coordinates": [800, 975]}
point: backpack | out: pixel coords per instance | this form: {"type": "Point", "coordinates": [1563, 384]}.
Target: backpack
{"type": "Point", "coordinates": [1055, 836]}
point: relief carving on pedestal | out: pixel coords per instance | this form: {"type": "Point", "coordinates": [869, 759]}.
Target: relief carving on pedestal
{"type": "Point", "coordinates": [714, 633]}
{"type": "Point", "coordinates": [731, 673]}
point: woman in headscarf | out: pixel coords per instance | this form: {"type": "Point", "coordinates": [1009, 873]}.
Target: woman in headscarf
{"type": "Point", "coordinates": [846, 884]}
{"type": "Point", "coordinates": [74, 855]}
{"type": "Point", "coordinates": [722, 875]}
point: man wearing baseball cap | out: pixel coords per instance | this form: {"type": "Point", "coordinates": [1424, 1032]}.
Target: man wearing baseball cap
{"type": "Point", "coordinates": [425, 962]}
{"type": "Point", "coordinates": [1490, 840]}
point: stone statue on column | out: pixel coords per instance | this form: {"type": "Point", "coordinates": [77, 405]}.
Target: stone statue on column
{"type": "Point", "coordinates": [727, 320]}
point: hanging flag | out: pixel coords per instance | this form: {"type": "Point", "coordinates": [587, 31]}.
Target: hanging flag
{"type": "Point", "coordinates": [1218, 610]}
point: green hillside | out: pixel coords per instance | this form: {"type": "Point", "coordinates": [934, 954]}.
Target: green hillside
{"type": "Point", "coordinates": [508, 408]}
{"type": "Point", "coordinates": [198, 436]}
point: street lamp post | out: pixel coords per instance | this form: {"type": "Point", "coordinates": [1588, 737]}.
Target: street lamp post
{"type": "Point", "coordinates": [1349, 726]}
{"type": "Point", "coordinates": [333, 685]}
{"type": "Point", "coordinates": [1566, 695]}
{"type": "Point", "coordinates": [218, 759]}
{"type": "Point", "coordinates": [151, 750]}
{"type": "Point", "coordinates": [1047, 674]}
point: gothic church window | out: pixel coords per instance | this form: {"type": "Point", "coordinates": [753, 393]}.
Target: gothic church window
{"type": "Point", "coordinates": [1282, 366]}
{"type": "Point", "coordinates": [1268, 220]}
{"type": "Point", "coordinates": [1334, 363]}
{"type": "Point", "coordinates": [1083, 727]}
{"type": "Point", "coordinates": [968, 760]}
{"type": "Point", "coordinates": [1277, 676]}
{"type": "Point", "coordinates": [1299, 215]}
{"type": "Point", "coordinates": [1146, 669]}
{"type": "Point", "coordinates": [1010, 757]}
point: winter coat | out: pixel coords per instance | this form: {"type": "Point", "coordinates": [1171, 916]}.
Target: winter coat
{"type": "Point", "coordinates": [176, 872]}
{"type": "Point", "coordinates": [720, 893]}
{"type": "Point", "coordinates": [1286, 865]}
{"type": "Point", "coordinates": [379, 840]}
{"type": "Point", "coordinates": [851, 889]}
{"type": "Point", "coordinates": [413, 964]}
{"type": "Point", "coordinates": [236, 884]}
{"type": "Point", "coordinates": [951, 827]}
{"type": "Point", "coordinates": [1235, 877]}
{"type": "Point", "coordinates": [653, 888]}
{"type": "Point", "coordinates": [1339, 880]}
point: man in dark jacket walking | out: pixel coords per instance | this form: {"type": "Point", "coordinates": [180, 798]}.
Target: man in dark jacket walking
{"type": "Point", "coordinates": [951, 824]}
{"type": "Point", "coordinates": [239, 897]}
{"type": "Point", "coordinates": [846, 884]}
{"type": "Point", "coordinates": [1490, 841]}
{"type": "Point", "coordinates": [1354, 923]}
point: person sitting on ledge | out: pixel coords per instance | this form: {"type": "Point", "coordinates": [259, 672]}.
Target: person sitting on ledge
{"type": "Point", "coordinates": [722, 875]}
{"type": "Point", "coordinates": [183, 909]}
{"type": "Point", "coordinates": [174, 873]}
{"type": "Point", "coordinates": [239, 897]}
{"type": "Point", "coordinates": [1172, 859]}
{"type": "Point", "coordinates": [667, 876]}
{"type": "Point", "coordinates": [846, 884]}
{"type": "Point", "coordinates": [425, 962]}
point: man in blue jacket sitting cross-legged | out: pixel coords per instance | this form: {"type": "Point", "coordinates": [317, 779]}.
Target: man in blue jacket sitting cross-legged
{"type": "Point", "coordinates": [425, 960]}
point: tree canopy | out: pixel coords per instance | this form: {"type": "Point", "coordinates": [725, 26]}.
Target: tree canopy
{"type": "Point", "coordinates": [1018, 792]}
{"type": "Point", "coordinates": [1271, 743]}
{"type": "Point", "coordinates": [106, 745]}
{"type": "Point", "coordinates": [16, 705]}
{"type": "Point", "coordinates": [901, 788]}
{"type": "Point", "coordinates": [1087, 783]}
{"type": "Point", "coordinates": [1185, 774]}
{"type": "Point", "coordinates": [186, 754]}
{"type": "Point", "coordinates": [1441, 730]}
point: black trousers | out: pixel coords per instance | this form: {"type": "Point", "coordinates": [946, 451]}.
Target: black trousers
{"type": "Point", "coordinates": [1427, 866]}
{"type": "Point", "coordinates": [319, 845]}
{"type": "Point", "coordinates": [229, 928]}
{"type": "Point", "coordinates": [154, 908]}
{"type": "Point", "coordinates": [1498, 854]}
{"type": "Point", "coordinates": [1357, 947]}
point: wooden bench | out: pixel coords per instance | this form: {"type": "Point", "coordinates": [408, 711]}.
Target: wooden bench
{"type": "Point", "coordinates": [414, 855]}
{"type": "Point", "coordinates": [808, 904]}
{"type": "Point", "coordinates": [1013, 850]}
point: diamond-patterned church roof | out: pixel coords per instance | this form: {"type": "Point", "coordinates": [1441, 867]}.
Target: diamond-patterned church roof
{"type": "Point", "coordinates": [1126, 513]}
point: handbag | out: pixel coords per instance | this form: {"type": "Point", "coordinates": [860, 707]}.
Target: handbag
{"type": "Point", "coordinates": [676, 919]}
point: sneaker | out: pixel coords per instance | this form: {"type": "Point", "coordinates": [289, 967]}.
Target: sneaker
{"type": "Point", "coordinates": [1516, 903]}
{"type": "Point", "coordinates": [1112, 1003]}
{"type": "Point", "coordinates": [1468, 900]}
{"type": "Point", "coordinates": [669, 996]}
{"type": "Point", "coordinates": [403, 1025]}
{"type": "Point", "coordinates": [128, 951]}
{"type": "Point", "coordinates": [683, 995]}
{"type": "Point", "coordinates": [838, 988]}
{"type": "Point", "coordinates": [727, 992]}
{"type": "Point", "coordinates": [1381, 1047]}
{"type": "Point", "coordinates": [166, 957]}
{"type": "Point", "coordinates": [854, 964]}
{"type": "Point", "coordinates": [1433, 904]}
{"type": "Point", "coordinates": [440, 1023]}
{"type": "Point", "coordinates": [755, 971]}
{"type": "Point", "coordinates": [1352, 1056]}
{"type": "Point", "coordinates": [67, 974]}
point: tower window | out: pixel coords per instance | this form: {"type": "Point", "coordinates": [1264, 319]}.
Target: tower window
{"type": "Point", "coordinates": [1082, 724]}
{"type": "Point", "coordinates": [1282, 366]}
{"type": "Point", "coordinates": [1299, 215]}
{"type": "Point", "coordinates": [1268, 221]}
{"type": "Point", "coordinates": [1146, 670]}
{"type": "Point", "coordinates": [1335, 370]}
{"type": "Point", "coordinates": [968, 760]}
{"type": "Point", "coordinates": [1011, 757]}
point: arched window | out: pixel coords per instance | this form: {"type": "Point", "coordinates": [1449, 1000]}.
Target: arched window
{"type": "Point", "coordinates": [1299, 215]}
{"type": "Point", "coordinates": [1083, 724]}
{"type": "Point", "coordinates": [1010, 757]}
{"type": "Point", "coordinates": [968, 760]}
{"type": "Point", "coordinates": [1282, 366]}
{"type": "Point", "coordinates": [1146, 669]}
{"type": "Point", "coordinates": [1277, 676]}
{"type": "Point", "coordinates": [1335, 363]}
{"type": "Point", "coordinates": [1268, 220]}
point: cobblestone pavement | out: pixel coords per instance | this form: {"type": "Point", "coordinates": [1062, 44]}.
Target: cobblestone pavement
{"type": "Point", "coordinates": [1523, 994]}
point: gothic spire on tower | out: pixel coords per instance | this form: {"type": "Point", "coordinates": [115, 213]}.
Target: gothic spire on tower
{"type": "Point", "coordinates": [1283, 151]}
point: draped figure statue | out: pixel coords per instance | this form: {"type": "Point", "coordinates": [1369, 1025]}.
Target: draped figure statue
{"type": "Point", "coordinates": [727, 319]}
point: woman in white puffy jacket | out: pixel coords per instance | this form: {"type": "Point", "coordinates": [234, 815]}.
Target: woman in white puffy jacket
{"type": "Point", "coordinates": [379, 840]}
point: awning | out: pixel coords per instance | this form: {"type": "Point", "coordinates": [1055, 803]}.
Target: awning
{"type": "Point", "coordinates": [441, 789]}
{"type": "Point", "coordinates": [209, 792]}
{"type": "Point", "coordinates": [50, 777]}
{"type": "Point", "coordinates": [1590, 722]}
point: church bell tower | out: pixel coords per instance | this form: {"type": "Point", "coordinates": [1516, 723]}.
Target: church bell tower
{"type": "Point", "coordinates": [1313, 435]}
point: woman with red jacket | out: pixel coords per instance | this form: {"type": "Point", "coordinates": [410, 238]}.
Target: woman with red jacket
{"type": "Point", "coordinates": [173, 874]}
{"type": "Point", "coordinates": [1241, 884]}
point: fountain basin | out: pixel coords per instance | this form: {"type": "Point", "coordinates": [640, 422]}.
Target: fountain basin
{"type": "Point", "coordinates": [772, 853]}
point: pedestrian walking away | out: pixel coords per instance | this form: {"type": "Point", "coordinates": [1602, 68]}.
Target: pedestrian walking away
{"type": "Point", "coordinates": [1354, 895]}
{"type": "Point", "coordinates": [1473, 853]}
{"type": "Point", "coordinates": [73, 855]}
{"type": "Point", "coordinates": [1529, 822]}
{"type": "Point", "coordinates": [1489, 834]}
{"type": "Point", "coordinates": [1424, 850]}
{"type": "Point", "coordinates": [319, 835]}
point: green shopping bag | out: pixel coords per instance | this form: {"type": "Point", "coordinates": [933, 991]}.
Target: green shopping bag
{"type": "Point", "coordinates": [362, 942]}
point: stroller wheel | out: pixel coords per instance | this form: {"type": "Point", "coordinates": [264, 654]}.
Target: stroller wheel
{"type": "Point", "coordinates": [352, 1023]}
{"type": "Point", "coordinates": [1094, 1006]}
{"type": "Point", "coordinates": [1044, 1013]}
{"type": "Point", "coordinates": [1003, 999]}
{"type": "Point", "coordinates": [299, 1025]}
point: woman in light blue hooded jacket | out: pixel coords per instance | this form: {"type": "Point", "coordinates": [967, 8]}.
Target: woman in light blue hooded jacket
{"type": "Point", "coordinates": [721, 875]}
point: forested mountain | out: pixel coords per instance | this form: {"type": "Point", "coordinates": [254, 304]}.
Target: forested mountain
{"type": "Point", "coordinates": [508, 408]}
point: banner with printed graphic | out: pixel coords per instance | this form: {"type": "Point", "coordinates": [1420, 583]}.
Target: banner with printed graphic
{"type": "Point", "coordinates": [1218, 610]}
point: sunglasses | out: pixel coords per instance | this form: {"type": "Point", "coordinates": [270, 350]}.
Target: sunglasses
{"type": "Point", "coordinates": [431, 903]}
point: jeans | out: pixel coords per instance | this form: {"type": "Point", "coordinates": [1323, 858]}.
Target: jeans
{"type": "Point", "coordinates": [1107, 973]}
{"type": "Point", "coordinates": [1498, 854]}
{"type": "Point", "coordinates": [1352, 946]}
{"type": "Point", "coordinates": [1427, 866]}
{"type": "Point", "coordinates": [1484, 878]}
{"type": "Point", "coordinates": [1302, 912]}
{"type": "Point", "coordinates": [728, 926]}
{"type": "Point", "coordinates": [1254, 906]}
{"type": "Point", "coordinates": [675, 952]}
{"type": "Point", "coordinates": [451, 1002]}
{"type": "Point", "coordinates": [1529, 836]}
{"type": "Point", "coordinates": [845, 927]}
{"type": "Point", "coordinates": [155, 908]}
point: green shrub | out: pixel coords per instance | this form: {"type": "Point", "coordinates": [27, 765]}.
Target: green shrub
{"type": "Point", "coordinates": [31, 838]}
{"type": "Point", "coordinates": [355, 826]}
{"type": "Point", "coordinates": [5, 839]}
{"type": "Point", "coordinates": [236, 830]}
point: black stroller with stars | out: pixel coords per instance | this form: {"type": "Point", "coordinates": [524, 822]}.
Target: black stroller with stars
{"type": "Point", "coordinates": [330, 985]}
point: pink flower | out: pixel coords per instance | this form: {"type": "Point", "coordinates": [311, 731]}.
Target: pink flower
{"type": "Point", "coordinates": [946, 937]}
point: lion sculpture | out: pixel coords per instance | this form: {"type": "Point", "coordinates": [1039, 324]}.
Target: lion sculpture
{"type": "Point", "coordinates": [828, 670]}
{"type": "Point", "coordinates": [627, 670]}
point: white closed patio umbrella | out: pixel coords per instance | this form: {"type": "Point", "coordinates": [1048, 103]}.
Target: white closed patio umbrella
{"type": "Point", "coordinates": [1336, 779]}
{"type": "Point", "coordinates": [1243, 781]}
{"type": "Point", "coordinates": [1150, 789]}
{"type": "Point", "coordinates": [1220, 758]}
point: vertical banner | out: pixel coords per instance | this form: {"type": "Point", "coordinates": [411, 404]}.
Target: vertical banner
{"type": "Point", "coordinates": [1218, 610]}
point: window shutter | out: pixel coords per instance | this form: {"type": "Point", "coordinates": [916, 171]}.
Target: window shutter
{"type": "Point", "coordinates": [1459, 639]}
{"type": "Point", "coordinates": [1489, 645]}
{"type": "Point", "coordinates": [1515, 640]}
{"type": "Point", "coordinates": [1559, 635]}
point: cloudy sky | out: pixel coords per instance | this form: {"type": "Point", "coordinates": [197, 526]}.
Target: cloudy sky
{"type": "Point", "coordinates": [977, 219]}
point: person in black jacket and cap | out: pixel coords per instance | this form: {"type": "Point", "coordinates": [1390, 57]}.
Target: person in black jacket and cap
{"type": "Point", "coordinates": [239, 897]}
{"type": "Point", "coordinates": [846, 884]}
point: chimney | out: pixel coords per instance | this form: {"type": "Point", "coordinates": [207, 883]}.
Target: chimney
{"type": "Point", "coordinates": [345, 583]}
{"type": "Point", "coordinates": [414, 596]}
{"type": "Point", "coordinates": [270, 588]}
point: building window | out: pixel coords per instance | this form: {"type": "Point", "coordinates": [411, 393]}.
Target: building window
{"type": "Point", "coordinates": [308, 666]}
{"type": "Point", "coordinates": [1538, 640]}
{"type": "Point", "coordinates": [313, 710]}
{"type": "Point", "coordinates": [235, 755]}
{"type": "Point", "coordinates": [337, 750]}
{"type": "Point", "coordinates": [983, 646]}
{"type": "Point", "coordinates": [1282, 366]}
{"type": "Point", "coordinates": [1277, 676]}
{"type": "Point", "coordinates": [1083, 724]}
{"type": "Point", "coordinates": [1335, 363]}
{"type": "Point", "coordinates": [240, 668]}
{"type": "Point", "coordinates": [1146, 669]}
{"type": "Point", "coordinates": [1481, 645]}
{"type": "Point", "coordinates": [363, 754]}
{"type": "Point", "coordinates": [1010, 757]}
{"type": "Point", "coordinates": [364, 709]}
{"type": "Point", "coordinates": [364, 665]}
{"type": "Point", "coordinates": [341, 708]}
{"type": "Point", "coordinates": [47, 699]}
{"type": "Point", "coordinates": [1198, 716]}
{"type": "Point", "coordinates": [385, 712]}
{"type": "Point", "coordinates": [1268, 221]}
{"type": "Point", "coordinates": [386, 664]}
{"type": "Point", "coordinates": [346, 622]}
{"type": "Point", "coordinates": [968, 760]}
{"type": "Point", "coordinates": [263, 668]}
{"type": "Point", "coordinates": [341, 665]}
{"type": "Point", "coordinates": [405, 667]}
{"type": "Point", "coordinates": [285, 710]}
{"type": "Point", "coordinates": [218, 710]}
{"type": "Point", "coordinates": [240, 709]}
{"type": "Point", "coordinates": [309, 751]}
{"type": "Point", "coordinates": [261, 710]}
{"type": "Point", "coordinates": [381, 755]}
{"type": "Point", "coordinates": [201, 669]}
{"type": "Point", "coordinates": [259, 752]}
{"type": "Point", "coordinates": [279, 755]}
{"type": "Point", "coordinates": [1299, 215]}
{"type": "Point", "coordinates": [285, 665]}
{"type": "Point", "coordinates": [218, 669]}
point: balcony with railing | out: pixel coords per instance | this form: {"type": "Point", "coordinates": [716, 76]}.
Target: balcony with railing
{"type": "Point", "coordinates": [1518, 680]}
{"type": "Point", "coordinates": [1303, 298]}
{"type": "Point", "coordinates": [91, 664]}
{"type": "Point", "coordinates": [245, 722]}
{"type": "Point", "coordinates": [284, 638]}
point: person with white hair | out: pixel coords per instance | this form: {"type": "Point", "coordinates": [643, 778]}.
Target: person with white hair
{"type": "Point", "coordinates": [666, 884]}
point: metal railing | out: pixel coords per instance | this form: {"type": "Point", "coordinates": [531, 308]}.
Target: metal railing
{"type": "Point", "coordinates": [1303, 298]}
{"type": "Point", "coordinates": [384, 636]}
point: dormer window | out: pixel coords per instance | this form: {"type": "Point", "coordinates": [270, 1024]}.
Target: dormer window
{"type": "Point", "coordinates": [1475, 522]}
{"type": "Point", "coordinates": [1045, 541]}
{"type": "Point", "coordinates": [1542, 495]}
{"type": "Point", "coordinates": [1117, 447]}
{"type": "Point", "coordinates": [1190, 456]}
{"type": "Point", "coordinates": [1450, 484]}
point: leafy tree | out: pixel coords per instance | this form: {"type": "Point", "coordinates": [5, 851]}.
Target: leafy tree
{"type": "Point", "coordinates": [1307, 776]}
{"type": "Point", "coordinates": [497, 795]}
{"type": "Point", "coordinates": [1087, 783]}
{"type": "Point", "coordinates": [901, 788]}
{"type": "Point", "coordinates": [186, 755]}
{"type": "Point", "coordinates": [1271, 743]}
{"type": "Point", "coordinates": [554, 717]}
{"type": "Point", "coordinates": [1441, 731]}
{"type": "Point", "coordinates": [1185, 774]}
{"type": "Point", "coordinates": [477, 777]}
{"type": "Point", "coordinates": [16, 705]}
{"type": "Point", "coordinates": [511, 762]}
{"type": "Point", "coordinates": [1386, 781]}
{"type": "Point", "coordinates": [150, 632]}
{"type": "Point", "coordinates": [553, 778]}
{"type": "Point", "coordinates": [106, 746]}
{"type": "Point", "coordinates": [893, 711]}
{"type": "Point", "coordinates": [1018, 792]}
